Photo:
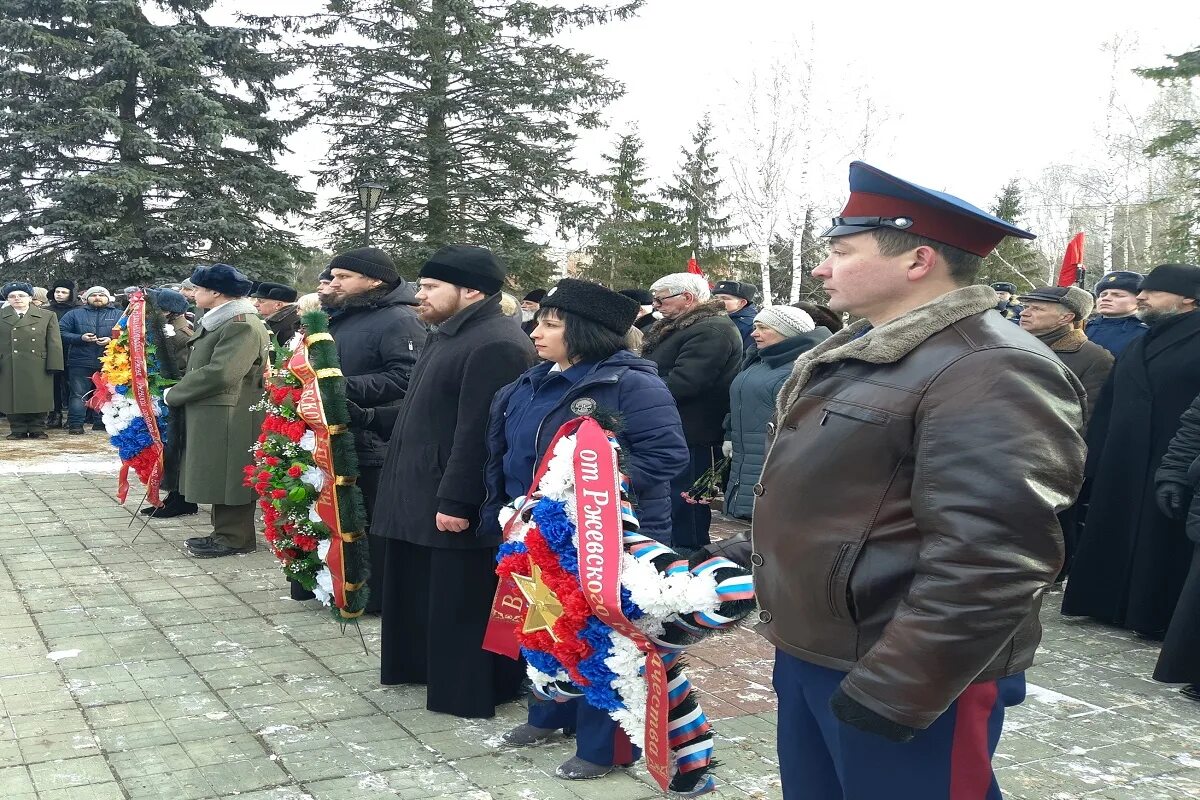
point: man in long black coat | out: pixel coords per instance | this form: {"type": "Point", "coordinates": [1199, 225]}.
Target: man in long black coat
{"type": "Point", "coordinates": [1133, 560]}
{"type": "Point", "coordinates": [439, 575]}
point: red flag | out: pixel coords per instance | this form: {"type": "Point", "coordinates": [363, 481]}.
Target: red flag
{"type": "Point", "coordinates": [1072, 269]}
{"type": "Point", "coordinates": [694, 267]}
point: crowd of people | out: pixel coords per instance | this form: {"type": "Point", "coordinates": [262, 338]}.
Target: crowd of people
{"type": "Point", "coordinates": [918, 479]}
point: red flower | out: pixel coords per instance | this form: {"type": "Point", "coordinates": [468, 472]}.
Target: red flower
{"type": "Point", "coordinates": [264, 476]}
{"type": "Point", "coordinates": [295, 471]}
{"type": "Point", "coordinates": [305, 542]}
{"type": "Point", "coordinates": [279, 494]}
{"type": "Point", "coordinates": [272, 461]}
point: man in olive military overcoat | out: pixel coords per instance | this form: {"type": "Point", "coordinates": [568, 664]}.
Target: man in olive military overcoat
{"type": "Point", "coordinates": [224, 379]}
{"type": "Point", "coordinates": [30, 354]}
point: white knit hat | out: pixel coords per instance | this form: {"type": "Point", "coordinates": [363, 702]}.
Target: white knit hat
{"type": "Point", "coordinates": [787, 320]}
{"type": "Point", "coordinates": [97, 290]}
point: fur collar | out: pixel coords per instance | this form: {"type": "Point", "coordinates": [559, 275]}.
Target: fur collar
{"type": "Point", "coordinates": [1070, 341]}
{"type": "Point", "coordinates": [223, 313]}
{"type": "Point", "coordinates": [888, 343]}
{"type": "Point", "coordinates": [665, 327]}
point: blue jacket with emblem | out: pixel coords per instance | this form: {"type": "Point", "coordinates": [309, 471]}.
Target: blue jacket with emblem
{"type": "Point", "coordinates": [652, 440]}
{"type": "Point", "coordinates": [1114, 334]}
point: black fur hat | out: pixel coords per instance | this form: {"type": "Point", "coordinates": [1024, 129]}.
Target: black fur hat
{"type": "Point", "coordinates": [276, 291]}
{"type": "Point", "coordinates": [592, 301]}
{"type": "Point", "coordinates": [169, 301]}
{"type": "Point", "coordinates": [223, 278]}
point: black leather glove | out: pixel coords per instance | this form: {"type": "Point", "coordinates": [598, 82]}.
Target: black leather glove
{"type": "Point", "coordinates": [1172, 499]}
{"type": "Point", "coordinates": [358, 416]}
{"type": "Point", "coordinates": [859, 716]}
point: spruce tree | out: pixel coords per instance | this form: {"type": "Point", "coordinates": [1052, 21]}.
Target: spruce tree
{"type": "Point", "coordinates": [698, 196]}
{"type": "Point", "coordinates": [1181, 144]}
{"type": "Point", "coordinates": [638, 239]}
{"type": "Point", "coordinates": [467, 112]}
{"type": "Point", "coordinates": [134, 144]}
{"type": "Point", "coordinates": [1014, 260]}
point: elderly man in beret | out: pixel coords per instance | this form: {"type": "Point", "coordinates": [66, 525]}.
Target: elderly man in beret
{"type": "Point", "coordinates": [224, 379]}
{"type": "Point", "coordinates": [1132, 559]}
{"type": "Point", "coordinates": [276, 304]}
{"type": "Point", "coordinates": [1116, 324]}
{"type": "Point", "coordinates": [738, 299]}
{"type": "Point", "coordinates": [30, 353]}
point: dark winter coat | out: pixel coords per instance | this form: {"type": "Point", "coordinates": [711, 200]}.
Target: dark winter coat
{"type": "Point", "coordinates": [1114, 334]}
{"type": "Point", "coordinates": [1132, 560]}
{"type": "Point", "coordinates": [645, 322]}
{"type": "Point", "coordinates": [1089, 361]}
{"type": "Point", "coordinates": [651, 437]}
{"type": "Point", "coordinates": [439, 444]}
{"type": "Point", "coordinates": [698, 354]}
{"type": "Point", "coordinates": [60, 309]}
{"type": "Point", "coordinates": [1179, 660]}
{"type": "Point", "coordinates": [744, 319]}
{"type": "Point", "coordinates": [224, 379]}
{"type": "Point", "coordinates": [378, 337]}
{"type": "Point", "coordinates": [1011, 311]}
{"type": "Point", "coordinates": [751, 406]}
{"type": "Point", "coordinates": [1181, 464]}
{"type": "Point", "coordinates": [30, 350]}
{"type": "Point", "coordinates": [86, 319]}
{"type": "Point", "coordinates": [284, 323]}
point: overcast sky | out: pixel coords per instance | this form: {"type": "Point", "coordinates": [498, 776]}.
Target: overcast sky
{"type": "Point", "coordinates": [972, 94]}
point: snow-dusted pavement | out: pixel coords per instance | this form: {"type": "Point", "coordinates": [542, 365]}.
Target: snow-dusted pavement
{"type": "Point", "coordinates": [128, 670]}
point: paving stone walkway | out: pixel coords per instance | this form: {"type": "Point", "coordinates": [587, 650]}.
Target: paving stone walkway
{"type": "Point", "coordinates": [129, 670]}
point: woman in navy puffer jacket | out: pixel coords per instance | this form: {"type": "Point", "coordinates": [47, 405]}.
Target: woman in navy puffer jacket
{"type": "Point", "coordinates": [580, 334]}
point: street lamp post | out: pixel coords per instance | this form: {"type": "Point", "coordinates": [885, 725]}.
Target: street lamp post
{"type": "Point", "coordinates": [368, 198]}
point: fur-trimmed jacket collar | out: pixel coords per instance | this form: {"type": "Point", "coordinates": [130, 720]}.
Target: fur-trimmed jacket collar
{"type": "Point", "coordinates": [888, 343]}
{"type": "Point", "coordinates": [1064, 340]}
{"type": "Point", "coordinates": [665, 327]}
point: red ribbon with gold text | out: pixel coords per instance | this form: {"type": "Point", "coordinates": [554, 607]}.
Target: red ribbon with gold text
{"type": "Point", "coordinates": [601, 534]}
{"type": "Point", "coordinates": [312, 411]}
{"type": "Point", "coordinates": [136, 326]}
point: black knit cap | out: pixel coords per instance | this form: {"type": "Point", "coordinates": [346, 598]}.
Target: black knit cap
{"type": "Point", "coordinates": [467, 266]}
{"type": "Point", "coordinates": [224, 279]}
{"type": "Point", "coordinates": [592, 301]}
{"type": "Point", "coordinates": [276, 291]}
{"type": "Point", "coordinates": [369, 261]}
{"type": "Point", "coordinates": [63, 284]}
{"type": "Point", "coordinates": [641, 296]}
{"type": "Point", "coordinates": [326, 275]}
{"type": "Point", "coordinates": [1180, 279]}
{"type": "Point", "coordinates": [534, 297]}
{"type": "Point", "coordinates": [169, 301]}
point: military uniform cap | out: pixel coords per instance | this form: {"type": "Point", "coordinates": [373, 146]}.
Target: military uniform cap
{"type": "Point", "coordinates": [879, 200]}
{"type": "Point", "coordinates": [1004, 287]}
{"type": "Point", "coordinates": [1125, 281]}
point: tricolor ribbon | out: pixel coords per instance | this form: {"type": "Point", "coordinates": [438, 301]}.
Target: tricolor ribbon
{"type": "Point", "coordinates": [136, 326]}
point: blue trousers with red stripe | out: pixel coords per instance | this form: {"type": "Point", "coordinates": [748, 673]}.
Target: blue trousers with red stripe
{"type": "Point", "coordinates": [598, 737]}
{"type": "Point", "coordinates": [822, 758]}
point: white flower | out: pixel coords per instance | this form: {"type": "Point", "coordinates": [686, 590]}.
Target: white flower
{"type": "Point", "coordinates": [308, 441]}
{"type": "Point", "coordinates": [314, 476]}
{"type": "Point", "coordinates": [313, 516]}
{"type": "Point", "coordinates": [324, 588]}
{"type": "Point", "coordinates": [323, 550]}
{"type": "Point", "coordinates": [168, 330]}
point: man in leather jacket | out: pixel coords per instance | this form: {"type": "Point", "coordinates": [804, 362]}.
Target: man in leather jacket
{"type": "Point", "coordinates": [900, 548]}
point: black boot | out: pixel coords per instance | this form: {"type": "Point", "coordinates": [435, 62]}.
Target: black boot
{"type": "Point", "coordinates": [174, 506]}
{"type": "Point", "coordinates": [54, 419]}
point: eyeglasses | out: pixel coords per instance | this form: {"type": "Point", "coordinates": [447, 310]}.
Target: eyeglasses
{"type": "Point", "coordinates": [655, 301]}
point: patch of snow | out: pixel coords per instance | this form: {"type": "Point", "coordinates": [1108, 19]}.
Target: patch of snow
{"type": "Point", "coordinates": [59, 655]}
{"type": "Point", "coordinates": [276, 729]}
{"type": "Point", "coordinates": [217, 715]}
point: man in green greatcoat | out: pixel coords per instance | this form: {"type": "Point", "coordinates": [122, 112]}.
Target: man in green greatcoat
{"type": "Point", "coordinates": [30, 354]}
{"type": "Point", "coordinates": [224, 378]}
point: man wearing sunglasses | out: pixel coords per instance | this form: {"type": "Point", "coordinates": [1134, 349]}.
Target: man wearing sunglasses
{"type": "Point", "coordinates": [697, 349]}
